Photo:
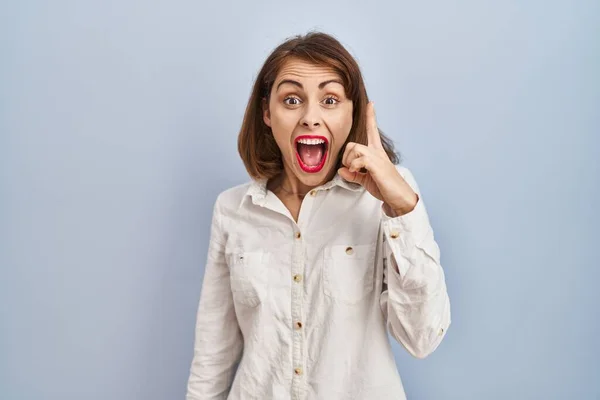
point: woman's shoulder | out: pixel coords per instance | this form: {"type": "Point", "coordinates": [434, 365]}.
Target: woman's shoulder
{"type": "Point", "coordinates": [231, 198]}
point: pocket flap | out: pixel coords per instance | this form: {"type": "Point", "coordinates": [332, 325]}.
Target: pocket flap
{"type": "Point", "coordinates": [256, 257]}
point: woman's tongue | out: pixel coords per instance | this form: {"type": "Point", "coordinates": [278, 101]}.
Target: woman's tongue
{"type": "Point", "coordinates": [310, 154]}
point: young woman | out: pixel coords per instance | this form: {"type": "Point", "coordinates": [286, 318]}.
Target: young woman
{"type": "Point", "coordinates": [326, 250]}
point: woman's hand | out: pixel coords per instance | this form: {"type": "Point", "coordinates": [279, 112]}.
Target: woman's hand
{"type": "Point", "coordinates": [381, 178]}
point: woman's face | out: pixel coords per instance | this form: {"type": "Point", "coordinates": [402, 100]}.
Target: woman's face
{"type": "Point", "coordinates": [310, 117]}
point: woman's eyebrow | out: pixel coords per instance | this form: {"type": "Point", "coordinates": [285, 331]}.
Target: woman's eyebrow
{"type": "Point", "coordinates": [323, 84]}
{"type": "Point", "coordinates": [296, 83]}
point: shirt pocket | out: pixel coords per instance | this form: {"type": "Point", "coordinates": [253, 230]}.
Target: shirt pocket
{"type": "Point", "coordinates": [348, 272]}
{"type": "Point", "coordinates": [248, 277]}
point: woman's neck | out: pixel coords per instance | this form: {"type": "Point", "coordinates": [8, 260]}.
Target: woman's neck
{"type": "Point", "coordinates": [289, 185]}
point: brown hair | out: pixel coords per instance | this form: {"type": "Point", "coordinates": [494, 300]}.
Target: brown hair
{"type": "Point", "coordinates": [256, 144]}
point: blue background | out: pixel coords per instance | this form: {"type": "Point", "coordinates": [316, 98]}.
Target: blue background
{"type": "Point", "coordinates": [118, 128]}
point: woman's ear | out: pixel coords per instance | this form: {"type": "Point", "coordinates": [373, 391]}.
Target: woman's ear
{"type": "Point", "coordinates": [266, 113]}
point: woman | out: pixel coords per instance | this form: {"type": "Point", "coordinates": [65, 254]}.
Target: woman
{"type": "Point", "coordinates": [327, 249]}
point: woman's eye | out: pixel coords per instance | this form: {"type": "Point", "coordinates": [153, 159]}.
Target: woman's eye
{"type": "Point", "coordinates": [291, 101]}
{"type": "Point", "coordinates": [330, 101]}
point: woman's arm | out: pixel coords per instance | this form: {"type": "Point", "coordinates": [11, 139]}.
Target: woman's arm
{"type": "Point", "coordinates": [218, 341]}
{"type": "Point", "coordinates": [414, 300]}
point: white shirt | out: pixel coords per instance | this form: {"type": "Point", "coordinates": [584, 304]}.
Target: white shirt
{"type": "Point", "coordinates": [303, 307]}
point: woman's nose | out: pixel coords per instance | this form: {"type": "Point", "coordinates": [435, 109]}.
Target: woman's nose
{"type": "Point", "coordinates": [312, 117]}
{"type": "Point", "coordinates": [309, 124]}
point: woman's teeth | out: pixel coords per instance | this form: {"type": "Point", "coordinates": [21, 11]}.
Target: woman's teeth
{"type": "Point", "coordinates": [311, 141]}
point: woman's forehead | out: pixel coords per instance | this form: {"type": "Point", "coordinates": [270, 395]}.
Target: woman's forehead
{"type": "Point", "coordinates": [295, 68]}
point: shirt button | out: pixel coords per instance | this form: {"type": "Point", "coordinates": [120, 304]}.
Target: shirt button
{"type": "Point", "coordinates": [297, 278]}
{"type": "Point", "coordinates": [298, 235]}
{"type": "Point", "coordinates": [298, 371]}
{"type": "Point", "coordinates": [313, 193]}
{"type": "Point", "coordinates": [394, 235]}
{"type": "Point", "coordinates": [349, 250]}
{"type": "Point", "coordinates": [298, 325]}
{"type": "Point", "coordinates": [441, 331]}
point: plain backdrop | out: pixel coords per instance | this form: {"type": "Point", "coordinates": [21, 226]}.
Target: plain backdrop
{"type": "Point", "coordinates": [118, 128]}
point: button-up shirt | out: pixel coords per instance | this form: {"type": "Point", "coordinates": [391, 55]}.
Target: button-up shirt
{"type": "Point", "coordinates": [302, 310]}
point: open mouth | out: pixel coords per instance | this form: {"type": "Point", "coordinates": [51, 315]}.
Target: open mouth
{"type": "Point", "coordinates": [311, 151]}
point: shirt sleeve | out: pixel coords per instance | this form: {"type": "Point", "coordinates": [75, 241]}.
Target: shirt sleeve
{"type": "Point", "coordinates": [218, 341]}
{"type": "Point", "coordinates": [414, 299]}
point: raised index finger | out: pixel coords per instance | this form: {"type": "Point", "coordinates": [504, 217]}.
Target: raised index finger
{"type": "Point", "coordinates": [373, 137]}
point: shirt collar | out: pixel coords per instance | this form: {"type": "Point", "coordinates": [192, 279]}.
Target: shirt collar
{"type": "Point", "coordinates": [257, 188]}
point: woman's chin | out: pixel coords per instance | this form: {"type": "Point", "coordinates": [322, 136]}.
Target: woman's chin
{"type": "Point", "coordinates": [312, 176]}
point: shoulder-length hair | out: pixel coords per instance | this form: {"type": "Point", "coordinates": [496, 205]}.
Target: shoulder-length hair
{"type": "Point", "coordinates": [256, 144]}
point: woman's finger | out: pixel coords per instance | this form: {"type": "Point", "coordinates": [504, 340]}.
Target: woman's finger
{"type": "Point", "coordinates": [354, 150]}
{"type": "Point", "coordinates": [347, 150]}
{"type": "Point", "coordinates": [355, 177]}
{"type": "Point", "coordinates": [373, 136]}
{"type": "Point", "coordinates": [358, 163]}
